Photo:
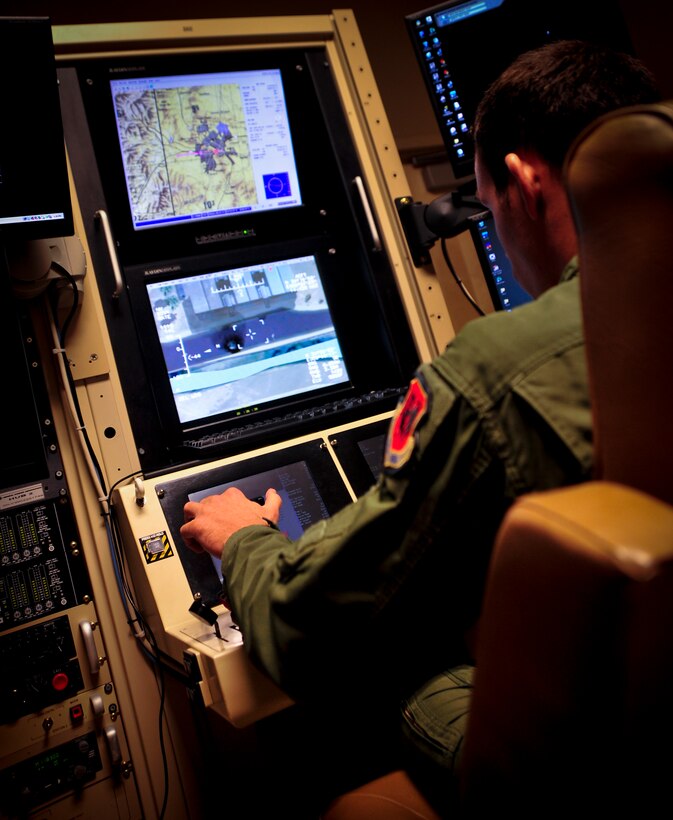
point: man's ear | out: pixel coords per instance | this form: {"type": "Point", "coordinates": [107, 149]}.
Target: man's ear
{"type": "Point", "coordinates": [527, 181]}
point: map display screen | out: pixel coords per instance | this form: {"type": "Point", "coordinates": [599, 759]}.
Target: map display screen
{"type": "Point", "coordinates": [234, 340]}
{"type": "Point", "coordinates": [203, 146]}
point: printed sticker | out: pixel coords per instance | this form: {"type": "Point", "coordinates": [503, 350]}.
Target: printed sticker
{"type": "Point", "coordinates": [156, 547]}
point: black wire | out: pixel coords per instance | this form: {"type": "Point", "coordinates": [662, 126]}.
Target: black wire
{"type": "Point", "coordinates": [153, 653]}
{"type": "Point", "coordinates": [151, 648]}
{"type": "Point", "coordinates": [459, 281]}
{"type": "Point", "coordinates": [75, 299]}
{"type": "Point", "coordinates": [71, 383]}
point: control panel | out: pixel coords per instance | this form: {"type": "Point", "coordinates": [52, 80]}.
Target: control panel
{"type": "Point", "coordinates": [61, 732]}
{"type": "Point", "coordinates": [315, 475]}
{"type": "Point", "coordinates": [249, 314]}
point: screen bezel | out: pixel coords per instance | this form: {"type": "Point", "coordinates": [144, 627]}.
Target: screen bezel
{"type": "Point", "coordinates": [310, 140]}
{"type": "Point", "coordinates": [357, 328]}
{"type": "Point", "coordinates": [30, 87]}
{"type": "Point", "coordinates": [158, 375]}
{"type": "Point", "coordinates": [490, 40]}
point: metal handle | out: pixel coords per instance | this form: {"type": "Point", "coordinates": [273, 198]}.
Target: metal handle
{"type": "Point", "coordinates": [112, 253]}
{"type": "Point", "coordinates": [86, 629]}
{"type": "Point", "coordinates": [97, 705]}
{"type": "Point", "coordinates": [113, 745]}
{"type": "Point", "coordinates": [376, 239]}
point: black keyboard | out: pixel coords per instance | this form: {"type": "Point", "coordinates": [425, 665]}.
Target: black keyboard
{"type": "Point", "coordinates": [298, 418]}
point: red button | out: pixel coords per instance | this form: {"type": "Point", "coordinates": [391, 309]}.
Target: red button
{"type": "Point", "coordinates": [76, 713]}
{"type": "Point", "coordinates": [60, 681]}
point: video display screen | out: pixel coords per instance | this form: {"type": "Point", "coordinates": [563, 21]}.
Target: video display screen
{"type": "Point", "coordinates": [372, 451]}
{"type": "Point", "coordinates": [505, 291]}
{"type": "Point", "coordinates": [234, 340]}
{"type": "Point", "coordinates": [302, 503]}
{"type": "Point", "coordinates": [203, 146]}
{"type": "Point", "coordinates": [304, 475]}
{"type": "Point", "coordinates": [462, 46]}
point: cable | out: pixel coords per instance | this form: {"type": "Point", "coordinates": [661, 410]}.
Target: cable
{"type": "Point", "coordinates": [140, 630]}
{"type": "Point", "coordinates": [90, 457]}
{"type": "Point", "coordinates": [459, 281]}
{"type": "Point", "coordinates": [58, 268]}
{"type": "Point", "coordinates": [135, 619]}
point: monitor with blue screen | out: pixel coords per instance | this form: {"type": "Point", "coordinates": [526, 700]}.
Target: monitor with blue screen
{"type": "Point", "coordinates": [504, 289]}
{"type": "Point", "coordinates": [461, 46]}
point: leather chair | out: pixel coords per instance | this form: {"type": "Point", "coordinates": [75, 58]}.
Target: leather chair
{"type": "Point", "coordinates": [572, 708]}
{"type": "Point", "coordinates": [572, 705]}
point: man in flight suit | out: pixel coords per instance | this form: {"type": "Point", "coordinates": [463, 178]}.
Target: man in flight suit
{"type": "Point", "coordinates": [379, 599]}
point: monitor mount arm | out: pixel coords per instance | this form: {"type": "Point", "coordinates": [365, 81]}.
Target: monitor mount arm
{"type": "Point", "coordinates": [443, 218]}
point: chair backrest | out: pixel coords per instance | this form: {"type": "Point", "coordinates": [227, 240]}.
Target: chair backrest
{"type": "Point", "coordinates": [620, 179]}
{"type": "Point", "coordinates": [573, 700]}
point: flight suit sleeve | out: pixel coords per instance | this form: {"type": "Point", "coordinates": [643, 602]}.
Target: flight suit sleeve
{"type": "Point", "coordinates": [343, 596]}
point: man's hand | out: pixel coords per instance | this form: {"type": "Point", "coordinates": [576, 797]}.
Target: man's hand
{"type": "Point", "coordinates": [210, 522]}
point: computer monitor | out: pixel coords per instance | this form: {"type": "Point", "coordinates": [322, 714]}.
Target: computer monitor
{"type": "Point", "coordinates": [34, 190]}
{"type": "Point", "coordinates": [204, 146]}
{"type": "Point", "coordinates": [461, 46]}
{"type": "Point", "coordinates": [304, 475]}
{"type": "Point", "coordinates": [255, 305]}
{"type": "Point", "coordinates": [206, 150]}
{"type": "Point", "coordinates": [239, 340]}
{"type": "Point", "coordinates": [506, 293]}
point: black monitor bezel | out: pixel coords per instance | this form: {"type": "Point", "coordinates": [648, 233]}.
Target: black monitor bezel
{"type": "Point", "coordinates": [44, 174]}
{"type": "Point", "coordinates": [344, 315]}
{"type": "Point", "coordinates": [519, 25]}
{"type": "Point", "coordinates": [233, 231]}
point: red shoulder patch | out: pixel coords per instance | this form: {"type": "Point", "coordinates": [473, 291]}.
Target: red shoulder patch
{"type": "Point", "coordinates": [401, 439]}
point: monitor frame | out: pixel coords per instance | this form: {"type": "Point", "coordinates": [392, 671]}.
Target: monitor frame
{"type": "Point", "coordinates": [309, 137]}
{"type": "Point", "coordinates": [505, 292]}
{"type": "Point", "coordinates": [35, 198]}
{"type": "Point", "coordinates": [155, 365]}
{"type": "Point", "coordinates": [480, 38]}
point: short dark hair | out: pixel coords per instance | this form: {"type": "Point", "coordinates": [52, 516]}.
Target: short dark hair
{"type": "Point", "coordinates": [549, 95]}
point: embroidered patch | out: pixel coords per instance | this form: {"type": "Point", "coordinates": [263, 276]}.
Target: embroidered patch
{"type": "Point", "coordinates": [401, 439]}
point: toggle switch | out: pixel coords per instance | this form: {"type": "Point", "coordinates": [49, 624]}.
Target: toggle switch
{"type": "Point", "coordinates": [112, 739]}
{"type": "Point", "coordinates": [97, 705]}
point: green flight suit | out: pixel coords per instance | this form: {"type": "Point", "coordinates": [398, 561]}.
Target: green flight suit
{"type": "Point", "coordinates": [383, 591]}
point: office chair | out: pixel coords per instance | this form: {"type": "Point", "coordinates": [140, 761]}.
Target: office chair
{"type": "Point", "coordinates": [572, 707]}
